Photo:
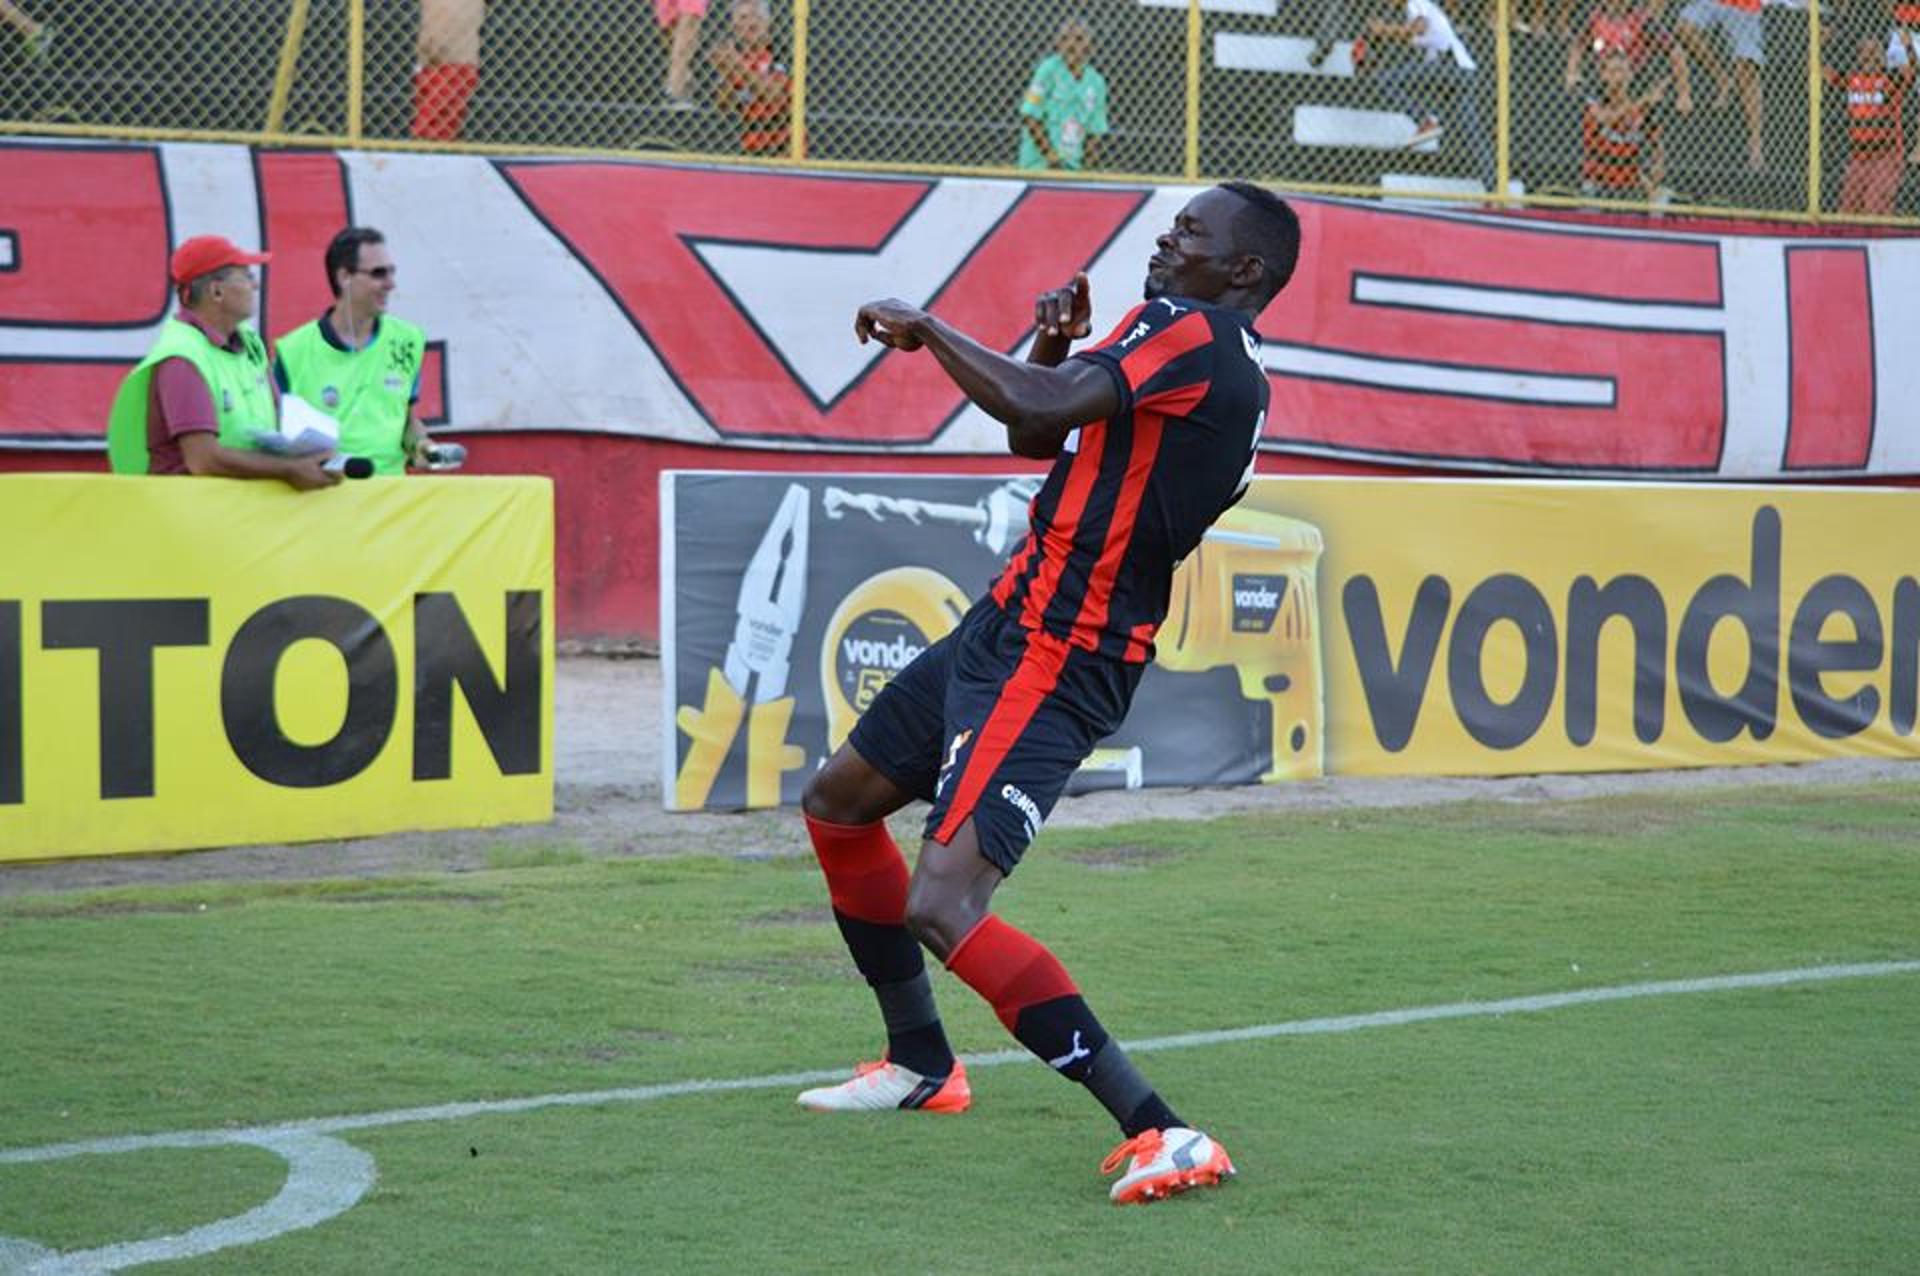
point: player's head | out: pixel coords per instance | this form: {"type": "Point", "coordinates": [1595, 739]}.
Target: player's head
{"type": "Point", "coordinates": [1075, 41]}
{"type": "Point", "coordinates": [359, 267]}
{"type": "Point", "coordinates": [1236, 244]}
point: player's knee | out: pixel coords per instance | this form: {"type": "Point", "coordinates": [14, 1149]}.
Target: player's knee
{"type": "Point", "coordinates": [844, 791]}
{"type": "Point", "coordinates": [939, 918]}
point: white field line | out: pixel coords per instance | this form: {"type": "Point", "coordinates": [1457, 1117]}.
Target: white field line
{"type": "Point", "coordinates": [327, 1177]}
{"type": "Point", "coordinates": [1147, 1045]}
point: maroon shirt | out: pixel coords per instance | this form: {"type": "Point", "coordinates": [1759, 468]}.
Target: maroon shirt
{"type": "Point", "coordinates": [179, 403]}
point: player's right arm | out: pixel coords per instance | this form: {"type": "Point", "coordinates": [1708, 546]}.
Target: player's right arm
{"type": "Point", "coordinates": [1039, 405]}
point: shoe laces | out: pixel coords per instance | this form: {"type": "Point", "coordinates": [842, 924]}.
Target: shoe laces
{"type": "Point", "coordinates": [1144, 1145]}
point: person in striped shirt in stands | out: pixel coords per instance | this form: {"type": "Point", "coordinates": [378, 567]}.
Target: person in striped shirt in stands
{"type": "Point", "coordinates": [1876, 100]}
{"type": "Point", "coordinates": [1619, 26]}
{"type": "Point", "coordinates": [1623, 156]}
{"type": "Point", "coordinates": [1152, 433]}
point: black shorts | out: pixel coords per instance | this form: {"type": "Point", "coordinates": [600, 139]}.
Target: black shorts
{"type": "Point", "coordinates": [989, 723]}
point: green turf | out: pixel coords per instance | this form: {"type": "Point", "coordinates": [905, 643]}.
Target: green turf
{"type": "Point", "coordinates": [1757, 1130]}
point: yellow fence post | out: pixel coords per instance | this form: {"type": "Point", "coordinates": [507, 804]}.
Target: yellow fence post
{"type": "Point", "coordinates": [1502, 102]}
{"type": "Point", "coordinates": [356, 67]}
{"type": "Point", "coordinates": [797, 108]}
{"type": "Point", "coordinates": [1192, 169]}
{"type": "Point", "coordinates": [289, 63]}
{"type": "Point", "coordinates": [1813, 109]}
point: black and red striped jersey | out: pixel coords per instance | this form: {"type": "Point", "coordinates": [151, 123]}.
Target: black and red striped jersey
{"type": "Point", "coordinates": [1130, 496]}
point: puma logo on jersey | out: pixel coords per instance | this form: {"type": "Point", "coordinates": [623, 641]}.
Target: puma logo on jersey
{"type": "Point", "coordinates": [1251, 344]}
{"type": "Point", "coordinates": [1171, 308]}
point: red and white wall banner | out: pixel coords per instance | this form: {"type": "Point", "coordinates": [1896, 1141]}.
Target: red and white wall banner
{"type": "Point", "coordinates": [713, 306]}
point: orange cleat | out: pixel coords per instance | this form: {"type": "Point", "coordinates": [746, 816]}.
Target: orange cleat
{"type": "Point", "coordinates": [1165, 1162]}
{"type": "Point", "coordinates": [880, 1086]}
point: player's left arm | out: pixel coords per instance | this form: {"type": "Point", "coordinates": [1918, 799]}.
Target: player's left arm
{"type": "Point", "coordinates": [1039, 405]}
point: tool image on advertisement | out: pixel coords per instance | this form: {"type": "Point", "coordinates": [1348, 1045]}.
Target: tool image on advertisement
{"type": "Point", "coordinates": [749, 687]}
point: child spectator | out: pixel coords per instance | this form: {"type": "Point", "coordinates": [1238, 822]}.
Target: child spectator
{"type": "Point", "coordinates": [1876, 100]}
{"type": "Point", "coordinates": [1617, 26]}
{"type": "Point", "coordinates": [1064, 113]}
{"type": "Point", "coordinates": [1623, 155]}
{"type": "Point", "coordinates": [752, 85]}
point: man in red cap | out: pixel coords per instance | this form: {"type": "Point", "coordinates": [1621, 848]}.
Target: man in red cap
{"type": "Point", "coordinates": [194, 404]}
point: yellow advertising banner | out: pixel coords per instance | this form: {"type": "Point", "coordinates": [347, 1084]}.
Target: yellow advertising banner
{"type": "Point", "coordinates": [191, 662]}
{"type": "Point", "coordinates": [1323, 626]}
{"type": "Point", "coordinates": [1483, 628]}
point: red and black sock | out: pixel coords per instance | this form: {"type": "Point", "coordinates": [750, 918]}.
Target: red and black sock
{"type": "Point", "coordinates": [1037, 1000]}
{"type": "Point", "coordinates": [867, 882]}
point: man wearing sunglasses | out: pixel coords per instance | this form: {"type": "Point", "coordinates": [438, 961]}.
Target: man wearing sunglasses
{"type": "Point", "coordinates": [357, 363]}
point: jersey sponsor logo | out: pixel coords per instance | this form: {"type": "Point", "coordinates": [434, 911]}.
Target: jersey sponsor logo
{"type": "Point", "coordinates": [1139, 330]}
{"type": "Point", "coordinates": [1256, 601]}
{"type": "Point", "coordinates": [1028, 808]}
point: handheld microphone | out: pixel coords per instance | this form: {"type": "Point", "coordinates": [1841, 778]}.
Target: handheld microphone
{"type": "Point", "coordinates": [353, 467]}
{"type": "Point", "coordinates": [444, 456]}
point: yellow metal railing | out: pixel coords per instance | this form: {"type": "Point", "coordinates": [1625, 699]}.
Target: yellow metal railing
{"type": "Point", "coordinates": [1709, 108]}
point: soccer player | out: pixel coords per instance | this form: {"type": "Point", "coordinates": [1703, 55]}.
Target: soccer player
{"type": "Point", "coordinates": [1152, 433]}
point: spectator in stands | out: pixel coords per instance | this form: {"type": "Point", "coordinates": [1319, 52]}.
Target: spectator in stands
{"type": "Point", "coordinates": [680, 23]}
{"type": "Point", "coordinates": [1616, 26]}
{"type": "Point", "coordinates": [1876, 102]}
{"type": "Point", "coordinates": [1739, 21]}
{"type": "Point", "coordinates": [1441, 74]}
{"type": "Point", "coordinates": [449, 69]}
{"type": "Point", "coordinates": [752, 85]}
{"type": "Point", "coordinates": [357, 363]}
{"type": "Point", "coordinates": [1064, 113]}
{"type": "Point", "coordinates": [35, 37]}
{"type": "Point", "coordinates": [1623, 156]}
{"type": "Point", "coordinates": [194, 404]}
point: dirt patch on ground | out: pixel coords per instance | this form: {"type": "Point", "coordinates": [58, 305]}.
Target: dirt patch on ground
{"type": "Point", "coordinates": [607, 787]}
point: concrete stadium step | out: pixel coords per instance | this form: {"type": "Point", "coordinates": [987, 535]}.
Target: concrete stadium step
{"type": "Point", "coordinates": [1352, 126]}
{"type": "Point", "coordinates": [1242, 51]}
{"type": "Point", "coordinates": [1405, 189]}
{"type": "Point", "coordinates": [1252, 8]}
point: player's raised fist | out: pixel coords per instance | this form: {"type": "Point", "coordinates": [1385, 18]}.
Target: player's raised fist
{"type": "Point", "coordinates": [890, 322]}
{"type": "Point", "coordinates": [1066, 311]}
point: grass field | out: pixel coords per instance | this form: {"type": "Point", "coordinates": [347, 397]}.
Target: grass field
{"type": "Point", "coordinates": [1751, 1129]}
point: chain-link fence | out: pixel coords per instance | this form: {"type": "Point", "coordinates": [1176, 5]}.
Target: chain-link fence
{"type": "Point", "coordinates": [1686, 105]}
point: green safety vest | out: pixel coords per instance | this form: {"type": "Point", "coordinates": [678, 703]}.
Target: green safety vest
{"type": "Point", "coordinates": [242, 399]}
{"type": "Point", "coordinates": [368, 391]}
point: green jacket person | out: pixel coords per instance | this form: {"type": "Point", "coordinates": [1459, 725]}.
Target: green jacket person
{"type": "Point", "coordinates": [356, 362]}
{"type": "Point", "coordinates": [192, 405]}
